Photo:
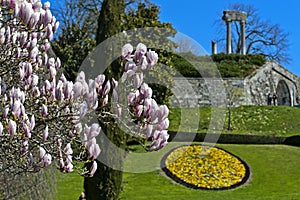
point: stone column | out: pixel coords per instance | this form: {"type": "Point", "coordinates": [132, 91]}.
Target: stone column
{"type": "Point", "coordinates": [243, 37]}
{"type": "Point", "coordinates": [228, 48]}
{"type": "Point", "coordinates": [213, 47]}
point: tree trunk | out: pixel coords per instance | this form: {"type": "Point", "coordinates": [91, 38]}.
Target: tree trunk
{"type": "Point", "coordinates": [107, 181]}
{"type": "Point", "coordinates": [229, 120]}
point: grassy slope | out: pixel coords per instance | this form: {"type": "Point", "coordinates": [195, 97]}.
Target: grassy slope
{"type": "Point", "coordinates": [274, 176]}
{"type": "Point", "coordinates": [263, 120]}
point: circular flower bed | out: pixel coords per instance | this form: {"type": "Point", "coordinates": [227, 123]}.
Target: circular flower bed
{"type": "Point", "coordinates": [205, 167]}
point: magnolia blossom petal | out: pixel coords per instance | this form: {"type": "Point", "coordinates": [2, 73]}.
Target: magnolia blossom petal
{"type": "Point", "coordinates": [93, 168]}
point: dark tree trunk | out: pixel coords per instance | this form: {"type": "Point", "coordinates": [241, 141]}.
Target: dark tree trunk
{"type": "Point", "coordinates": [107, 181]}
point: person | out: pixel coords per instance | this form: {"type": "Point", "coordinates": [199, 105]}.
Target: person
{"type": "Point", "coordinates": [274, 99]}
{"type": "Point", "coordinates": [269, 99]}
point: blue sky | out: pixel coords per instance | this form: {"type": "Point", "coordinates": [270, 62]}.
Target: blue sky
{"type": "Point", "coordinates": [195, 18]}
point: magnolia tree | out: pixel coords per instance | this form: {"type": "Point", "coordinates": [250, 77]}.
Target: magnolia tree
{"type": "Point", "coordinates": [44, 118]}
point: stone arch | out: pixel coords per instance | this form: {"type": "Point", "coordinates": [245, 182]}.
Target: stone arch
{"type": "Point", "coordinates": [283, 94]}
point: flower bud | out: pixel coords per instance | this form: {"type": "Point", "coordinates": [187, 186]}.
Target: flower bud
{"type": "Point", "coordinates": [42, 153]}
{"type": "Point", "coordinates": [12, 127]}
{"type": "Point", "coordinates": [46, 133]}
{"type": "Point", "coordinates": [44, 110]}
{"type": "Point", "coordinates": [106, 88]}
{"type": "Point", "coordinates": [1, 129]}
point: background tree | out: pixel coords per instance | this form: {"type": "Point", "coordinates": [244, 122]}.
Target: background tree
{"type": "Point", "coordinates": [76, 35]}
{"type": "Point", "coordinates": [262, 36]}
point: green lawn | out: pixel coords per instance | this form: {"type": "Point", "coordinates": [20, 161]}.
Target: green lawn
{"type": "Point", "coordinates": [255, 120]}
{"type": "Point", "coordinates": [275, 175]}
{"type": "Point", "coordinates": [275, 168]}
{"type": "Point", "coordinates": [69, 186]}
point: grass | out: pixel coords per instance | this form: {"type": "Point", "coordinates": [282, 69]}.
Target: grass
{"type": "Point", "coordinates": [274, 168]}
{"type": "Point", "coordinates": [275, 175]}
{"type": "Point", "coordinates": [254, 120]}
{"type": "Point", "coordinates": [69, 186]}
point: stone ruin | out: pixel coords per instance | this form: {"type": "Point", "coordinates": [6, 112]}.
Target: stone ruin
{"type": "Point", "coordinates": [272, 79]}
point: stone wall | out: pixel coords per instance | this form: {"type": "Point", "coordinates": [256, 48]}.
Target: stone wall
{"type": "Point", "coordinates": [253, 90]}
{"type": "Point", "coordinates": [194, 92]}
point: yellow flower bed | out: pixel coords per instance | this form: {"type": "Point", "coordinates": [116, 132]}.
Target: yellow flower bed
{"type": "Point", "coordinates": [200, 166]}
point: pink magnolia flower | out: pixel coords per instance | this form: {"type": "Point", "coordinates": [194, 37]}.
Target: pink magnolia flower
{"type": "Point", "coordinates": [46, 133]}
{"type": "Point", "coordinates": [115, 83]}
{"type": "Point", "coordinates": [47, 159]}
{"type": "Point", "coordinates": [115, 95]}
{"type": "Point", "coordinates": [149, 130]}
{"type": "Point", "coordinates": [152, 58]}
{"type": "Point", "coordinates": [77, 88]}
{"type": "Point", "coordinates": [69, 167]}
{"type": "Point", "coordinates": [163, 112]}
{"type": "Point", "coordinates": [26, 130]}
{"type": "Point", "coordinates": [42, 153]}
{"type": "Point", "coordinates": [94, 150]}
{"type": "Point", "coordinates": [92, 131]}
{"type": "Point", "coordinates": [130, 65]}
{"type": "Point", "coordinates": [127, 49]}
{"type": "Point", "coordinates": [16, 109]}
{"type": "Point", "coordinates": [68, 149]}
{"type": "Point", "coordinates": [143, 63]}
{"type": "Point", "coordinates": [1, 129]}
{"type": "Point", "coordinates": [83, 110]}
{"type": "Point", "coordinates": [68, 90]}
{"type": "Point", "coordinates": [138, 80]}
{"type": "Point", "coordinates": [80, 77]}
{"type": "Point", "coordinates": [146, 91]}
{"type": "Point", "coordinates": [139, 110]}
{"type": "Point", "coordinates": [12, 127]}
{"type": "Point", "coordinates": [141, 49]}
{"type": "Point", "coordinates": [106, 88]}
{"type": "Point", "coordinates": [32, 122]}
{"type": "Point", "coordinates": [93, 168]}
{"type": "Point", "coordinates": [44, 110]}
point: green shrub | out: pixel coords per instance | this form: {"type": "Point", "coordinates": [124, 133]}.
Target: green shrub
{"type": "Point", "coordinates": [229, 65]}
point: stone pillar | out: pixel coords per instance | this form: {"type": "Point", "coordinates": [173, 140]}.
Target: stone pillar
{"type": "Point", "coordinates": [213, 47]}
{"type": "Point", "coordinates": [243, 37]}
{"type": "Point", "coordinates": [228, 39]}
